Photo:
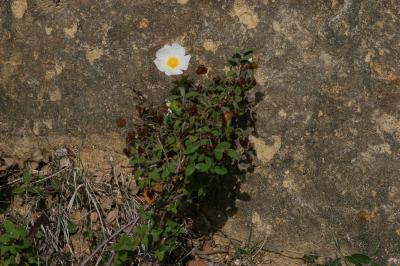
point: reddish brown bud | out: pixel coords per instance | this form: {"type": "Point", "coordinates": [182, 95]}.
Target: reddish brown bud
{"type": "Point", "coordinates": [131, 136]}
{"type": "Point", "coordinates": [121, 122]}
{"type": "Point", "coordinates": [227, 117]}
{"type": "Point", "coordinates": [140, 110]}
{"type": "Point", "coordinates": [141, 131]}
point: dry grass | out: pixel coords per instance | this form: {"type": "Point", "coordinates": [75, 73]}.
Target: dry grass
{"type": "Point", "coordinates": [69, 210]}
{"type": "Point", "coordinates": [74, 214]}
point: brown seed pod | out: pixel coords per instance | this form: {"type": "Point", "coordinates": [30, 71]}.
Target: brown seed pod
{"type": "Point", "coordinates": [201, 70]}
{"type": "Point", "coordinates": [140, 109]}
{"type": "Point", "coordinates": [131, 136]}
{"type": "Point", "coordinates": [227, 117]}
{"type": "Point", "coordinates": [121, 122]}
{"type": "Point", "coordinates": [142, 131]}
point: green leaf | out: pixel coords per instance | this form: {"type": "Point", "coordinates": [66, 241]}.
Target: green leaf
{"type": "Point", "coordinates": [209, 161]}
{"type": "Point", "coordinates": [34, 190]}
{"type": "Point", "coordinates": [26, 176]}
{"type": "Point", "coordinates": [165, 173]}
{"type": "Point", "coordinates": [202, 167]}
{"type": "Point", "coordinates": [189, 170]}
{"type": "Point", "coordinates": [33, 260]}
{"type": "Point", "coordinates": [236, 55]}
{"type": "Point", "coordinates": [220, 170]}
{"type": "Point", "coordinates": [18, 190]}
{"type": "Point", "coordinates": [154, 176]}
{"type": "Point", "coordinates": [173, 97]}
{"type": "Point", "coordinates": [173, 209]}
{"type": "Point", "coordinates": [336, 242]}
{"type": "Point", "coordinates": [201, 157]}
{"type": "Point", "coordinates": [247, 52]}
{"type": "Point", "coordinates": [175, 107]}
{"type": "Point", "coordinates": [223, 145]}
{"type": "Point", "coordinates": [335, 262]}
{"type": "Point", "coordinates": [192, 147]}
{"type": "Point", "coordinates": [72, 228]}
{"type": "Point", "coordinates": [361, 258]}
{"type": "Point", "coordinates": [171, 226]}
{"type": "Point", "coordinates": [238, 99]}
{"type": "Point", "coordinates": [19, 233]}
{"type": "Point", "coordinates": [191, 94]}
{"type": "Point", "coordinates": [182, 91]}
{"type": "Point", "coordinates": [201, 192]}
{"type": "Point", "coordinates": [237, 90]}
{"type": "Point", "coordinates": [155, 234]}
{"type": "Point", "coordinates": [4, 239]}
{"type": "Point", "coordinates": [145, 241]}
{"type": "Point", "coordinates": [358, 259]}
{"type": "Point", "coordinates": [126, 243]}
{"type": "Point", "coordinates": [160, 254]}
{"type": "Point", "coordinates": [233, 62]}
{"type": "Point", "coordinates": [218, 153]}
{"type": "Point", "coordinates": [233, 154]}
{"type": "Point", "coordinates": [25, 245]}
{"type": "Point", "coordinates": [9, 226]}
{"type": "Point", "coordinates": [191, 139]}
{"type": "Point", "coordinates": [216, 133]}
{"type": "Point", "coordinates": [177, 124]}
{"type": "Point", "coordinates": [235, 106]}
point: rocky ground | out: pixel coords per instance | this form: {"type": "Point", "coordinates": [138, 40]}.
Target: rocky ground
{"type": "Point", "coordinates": [328, 103]}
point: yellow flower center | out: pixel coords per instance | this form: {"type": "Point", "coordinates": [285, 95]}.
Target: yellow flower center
{"type": "Point", "coordinates": [173, 62]}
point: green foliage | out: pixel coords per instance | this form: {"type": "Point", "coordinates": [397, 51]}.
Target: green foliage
{"type": "Point", "coordinates": [15, 249]}
{"type": "Point", "coordinates": [124, 249]}
{"type": "Point", "coordinates": [186, 148]}
{"type": "Point", "coordinates": [246, 254]}
{"type": "Point", "coordinates": [26, 186]}
{"type": "Point", "coordinates": [354, 259]}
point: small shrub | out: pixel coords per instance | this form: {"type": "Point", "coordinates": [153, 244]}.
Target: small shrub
{"type": "Point", "coordinates": [185, 149]}
{"type": "Point", "coordinates": [15, 249]}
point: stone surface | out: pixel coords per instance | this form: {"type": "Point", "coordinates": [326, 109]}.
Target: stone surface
{"type": "Point", "coordinates": [328, 123]}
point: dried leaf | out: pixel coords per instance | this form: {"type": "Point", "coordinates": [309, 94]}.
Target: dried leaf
{"type": "Point", "coordinates": [65, 162]}
{"type": "Point", "coordinates": [133, 187]}
{"type": "Point", "coordinates": [45, 170]}
{"type": "Point", "coordinates": [33, 165]}
{"type": "Point", "coordinates": [94, 217]}
{"type": "Point", "coordinates": [197, 263]}
{"type": "Point", "coordinates": [105, 203]}
{"type": "Point", "coordinates": [8, 162]}
{"type": "Point", "coordinates": [37, 156]}
{"type": "Point", "coordinates": [112, 216]}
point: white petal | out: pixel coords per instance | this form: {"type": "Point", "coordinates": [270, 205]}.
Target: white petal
{"type": "Point", "coordinates": [185, 62]}
{"type": "Point", "coordinates": [160, 64]}
{"type": "Point", "coordinates": [171, 72]}
{"type": "Point", "coordinates": [177, 50]}
{"type": "Point", "coordinates": [164, 51]}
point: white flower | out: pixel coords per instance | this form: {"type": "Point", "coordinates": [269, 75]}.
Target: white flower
{"type": "Point", "coordinates": [168, 104]}
{"type": "Point", "coordinates": [171, 59]}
